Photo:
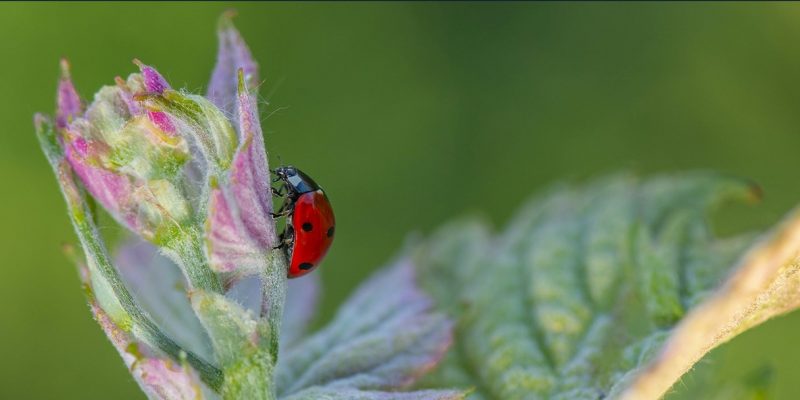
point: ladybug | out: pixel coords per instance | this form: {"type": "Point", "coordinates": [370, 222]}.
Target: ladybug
{"type": "Point", "coordinates": [310, 222]}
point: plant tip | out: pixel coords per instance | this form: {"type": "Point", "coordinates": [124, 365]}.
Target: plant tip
{"type": "Point", "coordinates": [65, 67]}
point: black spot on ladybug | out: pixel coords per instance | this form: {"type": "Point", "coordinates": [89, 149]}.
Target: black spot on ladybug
{"type": "Point", "coordinates": [306, 266]}
{"type": "Point", "coordinates": [330, 232]}
{"type": "Point", "coordinates": [307, 227]}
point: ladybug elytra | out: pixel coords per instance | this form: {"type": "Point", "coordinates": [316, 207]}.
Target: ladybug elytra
{"type": "Point", "coordinates": [310, 223]}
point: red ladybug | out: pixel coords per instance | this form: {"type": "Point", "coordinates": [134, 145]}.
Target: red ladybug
{"type": "Point", "coordinates": [310, 222]}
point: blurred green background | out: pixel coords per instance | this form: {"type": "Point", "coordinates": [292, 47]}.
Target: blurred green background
{"type": "Point", "coordinates": [410, 115]}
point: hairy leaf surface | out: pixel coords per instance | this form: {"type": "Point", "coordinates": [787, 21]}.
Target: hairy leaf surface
{"type": "Point", "coordinates": [612, 289]}
{"type": "Point", "coordinates": [382, 340]}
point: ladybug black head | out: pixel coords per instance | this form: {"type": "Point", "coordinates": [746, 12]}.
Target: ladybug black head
{"type": "Point", "coordinates": [296, 181]}
{"type": "Point", "coordinates": [285, 172]}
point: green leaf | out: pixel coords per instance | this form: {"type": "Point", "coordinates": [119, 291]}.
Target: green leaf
{"type": "Point", "coordinates": [764, 284]}
{"type": "Point", "coordinates": [602, 290]}
{"type": "Point", "coordinates": [381, 340]}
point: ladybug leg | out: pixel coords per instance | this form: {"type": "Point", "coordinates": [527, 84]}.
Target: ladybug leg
{"type": "Point", "coordinates": [284, 244]}
{"type": "Point", "coordinates": [280, 214]}
{"type": "Point", "coordinates": [286, 238]}
{"type": "Point", "coordinates": [284, 211]}
{"type": "Point", "coordinates": [281, 191]}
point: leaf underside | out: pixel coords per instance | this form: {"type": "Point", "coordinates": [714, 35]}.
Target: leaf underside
{"type": "Point", "coordinates": [382, 339]}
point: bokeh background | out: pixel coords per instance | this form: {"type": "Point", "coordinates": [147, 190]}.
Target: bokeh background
{"type": "Point", "coordinates": [410, 115]}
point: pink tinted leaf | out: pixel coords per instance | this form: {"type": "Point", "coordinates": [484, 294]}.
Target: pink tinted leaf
{"type": "Point", "coordinates": [383, 338]}
{"type": "Point", "coordinates": [153, 81]}
{"type": "Point", "coordinates": [113, 191]}
{"type": "Point", "coordinates": [166, 379]}
{"type": "Point", "coordinates": [233, 55]}
{"type": "Point", "coordinates": [162, 120]}
{"type": "Point", "coordinates": [159, 378]}
{"type": "Point", "coordinates": [109, 188]}
{"type": "Point", "coordinates": [240, 228]}
{"type": "Point", "coordinates": [68, 103]}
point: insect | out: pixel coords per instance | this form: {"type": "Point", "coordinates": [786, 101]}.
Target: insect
{"type": "Point", "coordinates": [310, 223]}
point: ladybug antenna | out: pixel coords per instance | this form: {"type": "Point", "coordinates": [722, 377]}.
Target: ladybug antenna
{"type": "Point", "coordinates": [280, 163]}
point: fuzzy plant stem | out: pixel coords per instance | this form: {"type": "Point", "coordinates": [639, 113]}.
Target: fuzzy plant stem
{"type": "Point", "coordinates": [185, 250]}
{"type": "Point", "coordinates": [273, 295]}
{"type": "Point", "coordinates": [100, 262]}
{"type": "Point", "coordinates": [90, 240]}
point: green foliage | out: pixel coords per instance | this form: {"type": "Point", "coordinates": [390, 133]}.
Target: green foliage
{"type": "Point", "coordinates": [582, 288]}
